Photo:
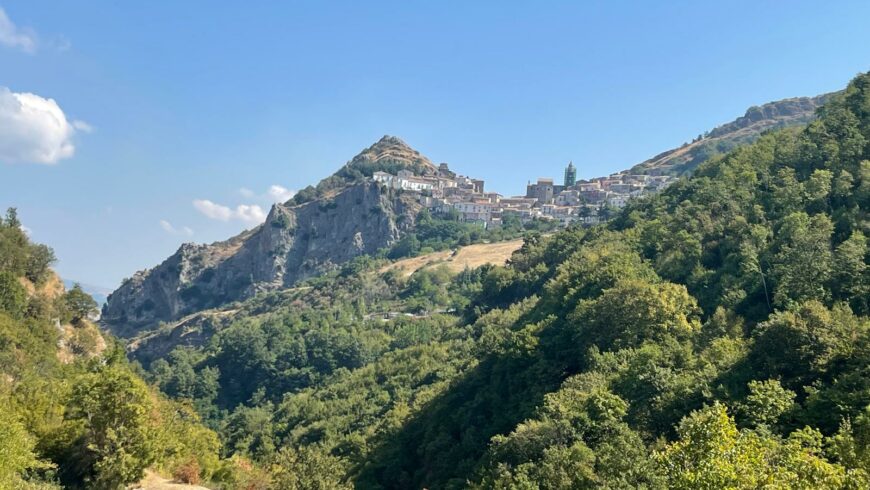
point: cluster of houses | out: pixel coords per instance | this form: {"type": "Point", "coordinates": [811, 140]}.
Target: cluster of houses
{"type": "Point", "coordinates": [585, 201]}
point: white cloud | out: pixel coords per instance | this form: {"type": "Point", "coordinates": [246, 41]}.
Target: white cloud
{"type": "Point", "coordinates": [213, 210]}
{"type": "Point", "coordinates": [167, 227]}
{"type": "Point", "coordinates": [15, 37]}
{"type": "Point", "coordinates": [250, 213]}
{"type": "Point", "coordinates": [82, 126]}
{"type": "Point", "coordinates": [34, 129]}
{"type": "Point", "coordinates": [275, 193]}
{"type": "Point", "coordinates": [280, 194]}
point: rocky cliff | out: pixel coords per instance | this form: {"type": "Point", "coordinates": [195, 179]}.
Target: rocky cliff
{"type": "Point", "coordinates": [295, 242]}
{"type": "Point", "coordinates": [743, 130]}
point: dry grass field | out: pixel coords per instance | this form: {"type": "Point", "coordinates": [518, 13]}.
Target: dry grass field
{"type": "Point", "coordinates": [470, 256]}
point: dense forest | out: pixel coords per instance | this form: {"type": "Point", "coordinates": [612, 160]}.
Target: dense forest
{"type": "Point", "coordinates": [713, 336]}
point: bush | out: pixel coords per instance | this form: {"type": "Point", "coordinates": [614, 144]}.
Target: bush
{"type": "Point", "coordinates": [187, 472]}
{"type": "Point", "coordinates": [84, 341]}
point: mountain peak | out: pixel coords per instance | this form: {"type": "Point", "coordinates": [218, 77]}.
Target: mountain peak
{"type": "Point", "coordinates": [391, 140]}
{"type": "Point", "coordinates": [392, 149]}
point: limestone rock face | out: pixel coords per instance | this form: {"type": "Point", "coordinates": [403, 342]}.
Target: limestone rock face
{"type": "Point", "coordinates": [295, 242]}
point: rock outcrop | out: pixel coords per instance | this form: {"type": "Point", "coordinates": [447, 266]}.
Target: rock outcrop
{"type": "Point", "coordinates": [295, 242]}
{"type": "Point", "coordinates": [743, 130]}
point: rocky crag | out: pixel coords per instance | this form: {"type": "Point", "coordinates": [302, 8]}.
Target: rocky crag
{"type": "Point", "coordinates": [680, 161]}
{"type": "Point", "coordinates": [348, 216]}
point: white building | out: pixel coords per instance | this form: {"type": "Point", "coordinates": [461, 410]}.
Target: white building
{"type": "Point", "coordinates": [474, 211]}
{"type": "Point", "coordinates": [405, 180]}
{"type": "Point", "coordinates": [568, 198]}
{"type": "Point", "coordinates": [618, 200]}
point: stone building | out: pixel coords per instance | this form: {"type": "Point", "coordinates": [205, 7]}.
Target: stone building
{"type": "Point", "coordinates": [543, 190]}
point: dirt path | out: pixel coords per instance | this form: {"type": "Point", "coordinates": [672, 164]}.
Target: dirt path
{"type": "Point", "coordinates": [153, 481]}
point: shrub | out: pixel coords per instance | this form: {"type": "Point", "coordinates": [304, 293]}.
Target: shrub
{"type": "Point", "coordinates": [187, 472]}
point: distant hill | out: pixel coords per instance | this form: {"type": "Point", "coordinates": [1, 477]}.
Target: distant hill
{"type": "Point", "coordinates": [796, 111]}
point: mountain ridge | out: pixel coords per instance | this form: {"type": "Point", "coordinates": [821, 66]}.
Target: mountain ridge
{"type": "Point", "coordinates": [794, 111]}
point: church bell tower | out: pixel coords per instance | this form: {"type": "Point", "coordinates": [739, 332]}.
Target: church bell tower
{"type": "Point", "coordinates": [570, 175]}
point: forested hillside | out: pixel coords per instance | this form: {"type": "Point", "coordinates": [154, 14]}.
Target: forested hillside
{"type": "Point", "coordinates": [72, 411]}
{"type": "Point", "coordinates": [713, 336]}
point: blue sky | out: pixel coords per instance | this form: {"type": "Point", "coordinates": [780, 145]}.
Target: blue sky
{"type": "Point", "coordinates": [166, 102]}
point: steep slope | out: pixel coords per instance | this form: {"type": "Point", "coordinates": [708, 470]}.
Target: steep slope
{"type": "Point", "coordinates": [722, 139]}
{"type": "Point", "coordinates": [73, 414]}
{"type": "Point", "coordinates": [196, 329]}
{"type": "Point", "coordinates": [345, 217]}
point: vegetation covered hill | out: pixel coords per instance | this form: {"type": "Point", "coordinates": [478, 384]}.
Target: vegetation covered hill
{"type": "Point", "coordinates": [713, 336]}
{"type": "Point", "coordinates": [72, 410]}
{"type": "Point", "coordinates": [784, 113]}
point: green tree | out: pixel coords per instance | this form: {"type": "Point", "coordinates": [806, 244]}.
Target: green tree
{"type": "Point", "coordinates": [851, 274]}
{"type": "Point", "coordinates": [13, 297]}
{"type": "Point", "coordinates": [799, 345]}
{"type": "Point", "coordinates": [767, 402]}
{"type": "Point", "coordinates": [851, 444]}
{"type": "Point", "coordinates": [79, 303]}
{"type": "Point", "coordinates": [307, 468]}
{"type": "Point", "coordinates": [39, 259]}
{"type": "Point", "coordinates": [803, 265]}
{"type": "Point", "coordinates": [818, 188]}
{"type": "Point", "coordinates": [110, 410]}
{"type": "Point", "coordinates": [17, 450]}
{"type": "Point", "coordinates": [712, 453]}
{"type": "Point", "coordinates": [635, 311]}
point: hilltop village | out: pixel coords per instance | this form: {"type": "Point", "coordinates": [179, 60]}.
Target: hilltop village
{"type": "Point", "coordinates": [585, 201]}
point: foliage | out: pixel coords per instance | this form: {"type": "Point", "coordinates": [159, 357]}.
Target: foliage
{"type": "Point", "coordinates": [18, 256]}
{"type": "Point", "coordinates": [306, 469]}
{"type": "Point", "coordinates": [89, 421]}
{"type": "Point", "coordinates": [17, 451]}
{"type": "Point", "coordinates": [13, 296]}
{"type": "Point", "coordinates": [712, 453]}
{"type": "Point", "coordinates": [79, 303]}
